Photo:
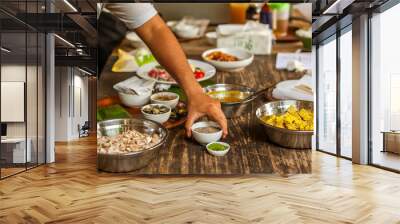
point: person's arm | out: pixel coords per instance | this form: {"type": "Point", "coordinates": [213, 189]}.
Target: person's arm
{"type": "Point", "coordinates": [170, 55]}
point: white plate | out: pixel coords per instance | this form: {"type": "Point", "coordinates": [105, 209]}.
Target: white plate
{"type": "Point", "coordinates": [286, 90]}
{"type": "Point", "coordinates": [245, 59]}
{"type": "Point", "coordinates": [209, 71]}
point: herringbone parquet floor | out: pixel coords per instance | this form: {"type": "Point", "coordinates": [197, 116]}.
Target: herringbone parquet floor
{"type": "Point", "coordinates": [71, 191]}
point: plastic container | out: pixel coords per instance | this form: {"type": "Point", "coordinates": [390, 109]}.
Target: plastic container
{"type": "Point", "coordinates": [238, 12]}
{"type": "Point", "coordinates": [281, 12]}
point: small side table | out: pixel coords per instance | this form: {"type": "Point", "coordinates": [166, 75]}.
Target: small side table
{"type": "Point", "coordinates": [18, 150]}
{"type": "Point", "coordinates": [391, 141]}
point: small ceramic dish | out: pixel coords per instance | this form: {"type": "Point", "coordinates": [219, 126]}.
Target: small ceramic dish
{"type": "Point", "coordinates": [205, 138]}
{"type": "Point", "coordinates": [134, 100]}
{"type": "Point", "coordinates": [156, 99]}
{"type": "Point", "coordinates": [160, 118]}
{"type": "Point", "coordinates": [245, 58]}
{"type": "Point", "coordinates": [187, 32]}
{"type": "Point", "coordinates": [218, 152]}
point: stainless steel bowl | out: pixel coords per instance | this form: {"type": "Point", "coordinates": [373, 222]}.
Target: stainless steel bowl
{"type": "Point", "coordinates": [281, 136]}
{"type": "Point", "coordinates": [125, 162]}
{"type": "Point", "coordinates": [233, 109]}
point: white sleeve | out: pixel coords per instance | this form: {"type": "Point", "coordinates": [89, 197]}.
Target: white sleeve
{"type": "Point", "coordinates": [133, 15]}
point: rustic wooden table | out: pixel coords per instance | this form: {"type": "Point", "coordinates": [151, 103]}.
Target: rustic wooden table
{"type": "Point", "coordinates": [250, 152]}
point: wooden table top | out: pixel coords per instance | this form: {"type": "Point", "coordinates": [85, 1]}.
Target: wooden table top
{"type": "Point", "coordinates": [250, 152]}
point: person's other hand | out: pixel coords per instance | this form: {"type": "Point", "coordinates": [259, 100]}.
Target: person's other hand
{"type": "Point", "coordinates": [201, 105]}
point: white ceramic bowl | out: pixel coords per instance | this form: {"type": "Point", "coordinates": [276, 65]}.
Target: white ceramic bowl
{"type": "Point", "coordinates": [135, 40]}
{"type": "Point", "coordinates": [171, 23]}
{"type": "Point", "coordinates": [205, 138]}
{"type": "Point", "coordinates": [133, 100]}
{"type": "Point", "coordinates": [211, 38]}
{"type": "Point", "coordinates": [171, 103]}
{"type": "Point", "coordinates": [218, 153]}
{"type": "Point", "coordinates": [160, 118]}
{"type": "Point", "coordinates": [187, 32]}
{"type": "Point", "coordinates": [245, 59]}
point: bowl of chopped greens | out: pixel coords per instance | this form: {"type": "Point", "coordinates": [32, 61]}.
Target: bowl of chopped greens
{"type": "Point", "coordinates": [218, 148]}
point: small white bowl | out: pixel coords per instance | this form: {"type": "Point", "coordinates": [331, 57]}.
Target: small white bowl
{"type": "Point", "coordinates": [171, 103]}
{"type": "Point", "coordinates": [171, 23]}
{"type": "Point", "coordinates": [160, 118]}
{"type": "Point", "coordinates": [135, 40]}
{"type": "Point", "coordinates": [133, 100]}
{"type": "Point", "coordinates": [187, 32]}
{"type": "Point", "coordinates": [218, 153]}
{"type": "Point", "coordinates": [211, 38]}
{"type": "Point", "coordinates": [205, 138]}
{"type": "Point", "coordinates": [245, 59]}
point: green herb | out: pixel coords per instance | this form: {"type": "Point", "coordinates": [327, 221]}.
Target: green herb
{"type": "Point", "coordinates": [112, 112]}
{"type": "Point", "coordinates": [143, 57]}
{"type": "Point", "coordinates": [217, 147]}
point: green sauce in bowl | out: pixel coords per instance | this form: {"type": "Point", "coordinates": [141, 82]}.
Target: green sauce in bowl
{"type": "Point", "coordinates": [217, 147]}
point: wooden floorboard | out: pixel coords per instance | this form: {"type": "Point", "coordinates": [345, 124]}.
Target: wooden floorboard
{"type": "Point", "coordinates": [72, 191]}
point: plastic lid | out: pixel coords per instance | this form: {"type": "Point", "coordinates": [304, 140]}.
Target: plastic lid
{"type": "Point", "coordinates": [279, 6]}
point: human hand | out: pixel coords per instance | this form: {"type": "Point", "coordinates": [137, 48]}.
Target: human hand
{"type": "Point", "coordinates": [200, 105]}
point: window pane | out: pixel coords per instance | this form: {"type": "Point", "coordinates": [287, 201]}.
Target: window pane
{"type": "Point", "coordinates": [327, 97]}
{"type": "Point", "coordinates": [385, 85]}
{"type": "Point", "coordinates": [15, 150]}
{"type": "Point", "coordinates": [31, 97]}
{"type": "Point", "coordinates": [346, 94]}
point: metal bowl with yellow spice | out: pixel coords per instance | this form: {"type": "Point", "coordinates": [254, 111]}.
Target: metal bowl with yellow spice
{"type": "Point", "coordinates": [292, 119]}
{"type": "Point", "coordinates": [235, 99]}
{"type": "Point", "coordinates": [288, 123]}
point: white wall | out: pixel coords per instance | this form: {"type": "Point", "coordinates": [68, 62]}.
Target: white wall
{"type": "Point", "coordinates": [80, 103]}
{"type": "Point", "coordinates": [70, 83]}
{"type": "Point", "coordinates": [61, 103]}
{"type": "Point", "coordinates": [215, 12]}
{"type": "Point", "coordinates": [12, 73]}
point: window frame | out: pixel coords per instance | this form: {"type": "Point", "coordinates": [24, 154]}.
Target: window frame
{"type": "Point", "coordinates": [379, 10]}
{"type": "Point", "coordinates": [334, 37]}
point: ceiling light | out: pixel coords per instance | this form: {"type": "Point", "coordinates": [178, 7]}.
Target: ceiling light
{"type": "Point", "coordinates": [70, 5]}
{"type": "Point", "coordinates": [65, 41]}
{"type": "Point", "coordinates": [5, 50]}
{"type": "Point", "coordinates": [80, 51]}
